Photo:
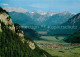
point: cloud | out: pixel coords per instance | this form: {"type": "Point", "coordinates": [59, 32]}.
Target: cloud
{"type": "Point", "coordinates": [10, 9]}
{"type": "Point", "coordinates": [5, 4]}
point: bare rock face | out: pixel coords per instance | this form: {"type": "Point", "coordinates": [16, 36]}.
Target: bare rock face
{"type": "Point", "coordinates": [31, 45]}
{"type": "Point", "coordinates": [5, 18]}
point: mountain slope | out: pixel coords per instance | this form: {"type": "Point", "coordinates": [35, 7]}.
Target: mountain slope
{"type": "Point", "coordinates": [69, 27]}
{"type": "Point", "coordinates": [13, 41]}
{"type": "Point", "coordinates": [74, 21]}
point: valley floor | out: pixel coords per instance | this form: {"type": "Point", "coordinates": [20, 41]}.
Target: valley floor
{"type": "Point", "coordinates": [57, 47]}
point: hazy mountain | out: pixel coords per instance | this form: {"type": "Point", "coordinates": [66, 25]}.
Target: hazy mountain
{"type": "Point", "coordinates": [38, 17]}
{"type": "Point", "coordinates": [14, 43]}
{"type": "Point", "coordinates": [59, 18]}
{"type": "Point", "coordinates": [21, 18]}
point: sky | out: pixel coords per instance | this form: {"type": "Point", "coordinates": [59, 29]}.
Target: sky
{"type": "Point", "coordinates": [44, 5]}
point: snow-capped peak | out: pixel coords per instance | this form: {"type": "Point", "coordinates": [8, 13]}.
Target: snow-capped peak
{"type": "Point", "coordinates": [51, 13]}
{"type": "Point", "coordinates": [39, 12]}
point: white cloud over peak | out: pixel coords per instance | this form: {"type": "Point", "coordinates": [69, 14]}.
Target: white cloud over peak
{"type": "Point", "coordinates": [11, 9]}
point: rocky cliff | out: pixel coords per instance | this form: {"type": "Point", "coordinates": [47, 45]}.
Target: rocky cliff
{"type": "Point", "coordinates": [13, 41]}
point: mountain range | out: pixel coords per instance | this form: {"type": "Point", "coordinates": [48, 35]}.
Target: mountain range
{"type": "Point", "coordinates": [39, 17]}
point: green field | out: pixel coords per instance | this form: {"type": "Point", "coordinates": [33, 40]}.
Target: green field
{"type": "Point", "coordinates": [57, 47]}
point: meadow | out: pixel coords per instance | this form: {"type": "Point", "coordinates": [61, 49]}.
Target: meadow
{"type": "Point", "coordinates": [55, 46]}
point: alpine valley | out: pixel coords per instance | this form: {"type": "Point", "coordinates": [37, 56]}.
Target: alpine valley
{"type": "Point", "coordinates": [38, 33]}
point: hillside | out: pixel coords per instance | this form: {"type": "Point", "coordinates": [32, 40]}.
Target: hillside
{"type": "Point", "coordinates": [69, 27]}
{"type": "Point", "coordinates": [75, 38]}
{"type": "Point", "coordinates": [14, 43]}
{"type": "Point", "coordinates": [74, 21]}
